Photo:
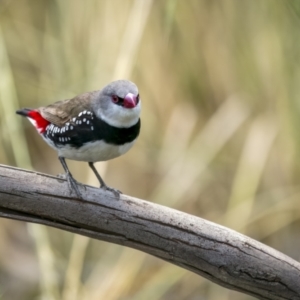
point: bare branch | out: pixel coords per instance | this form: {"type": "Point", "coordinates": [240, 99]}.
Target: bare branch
{"type": "Point", "coordinates": [210, 250]}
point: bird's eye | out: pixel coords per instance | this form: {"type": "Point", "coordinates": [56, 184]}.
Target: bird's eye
{"type": "Point", "coordinates": [137, 98]}
{"type": "Point", "coordinates": [115, 98]}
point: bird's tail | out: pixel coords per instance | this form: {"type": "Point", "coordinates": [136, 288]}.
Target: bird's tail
{"type": "Point", "coordinates": [24, 112]}
{"type": "Point", "coordinates": [35, 118]}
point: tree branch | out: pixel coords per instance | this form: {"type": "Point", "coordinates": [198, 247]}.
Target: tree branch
{"type": "Point", "coordinates": [217, 253]}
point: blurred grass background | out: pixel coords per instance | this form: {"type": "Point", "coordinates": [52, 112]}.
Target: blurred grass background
{"type": "Point", "coordinates": [219, 82]}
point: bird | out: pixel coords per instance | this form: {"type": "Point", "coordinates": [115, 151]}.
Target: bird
{"type": "Point", "coordinates": [91, 127]}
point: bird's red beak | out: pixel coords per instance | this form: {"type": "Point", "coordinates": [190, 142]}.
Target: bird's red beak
{"type": "Point", "coordinates": [130, 100]}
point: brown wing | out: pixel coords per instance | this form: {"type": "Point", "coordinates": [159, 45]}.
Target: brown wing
{"type": "Point", "coordinates": [63, 111]}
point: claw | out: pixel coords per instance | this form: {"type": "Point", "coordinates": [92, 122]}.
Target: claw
{"type": "Point", "coordinates": [116, 192]}
{"type": "Point", "coordinates": [102, 183]}
{"type": "Point", "coordinates": [62, 176]}
{"type": "Point", "coordinates": [73, 185]}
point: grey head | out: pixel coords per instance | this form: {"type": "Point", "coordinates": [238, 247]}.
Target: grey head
{"type": "Point", "coordinates": [118, 104]}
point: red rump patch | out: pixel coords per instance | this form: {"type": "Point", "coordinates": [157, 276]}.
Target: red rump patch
{"type": "Point", "coordinates": [40, 123]}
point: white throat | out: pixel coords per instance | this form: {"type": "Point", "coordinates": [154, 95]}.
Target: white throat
{"type": "Point", "coordinates": [119, 116]}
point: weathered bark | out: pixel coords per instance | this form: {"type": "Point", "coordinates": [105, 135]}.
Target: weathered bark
{"type": "Point", "coordinates": [221, 255]}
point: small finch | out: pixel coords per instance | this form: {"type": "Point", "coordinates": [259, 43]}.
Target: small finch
{"type": "Point", "coordinates": [91, 127]}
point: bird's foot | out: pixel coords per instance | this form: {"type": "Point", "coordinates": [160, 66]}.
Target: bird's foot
{"type": "Point", "coordinates": [73, 185]}
{"type": "Point", "coordinates": [116, 192]}
{"type": "Point", "coordinates": [62, 176]}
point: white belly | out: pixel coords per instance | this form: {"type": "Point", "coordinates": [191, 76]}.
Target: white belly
{"type": "Point", "coordinates": [93, 151]}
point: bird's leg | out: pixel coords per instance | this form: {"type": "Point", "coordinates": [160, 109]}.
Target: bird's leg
{"type": "Point", "coordinates": [101, 181]}
{"type": "Point", "coordinates": [72, 182]}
